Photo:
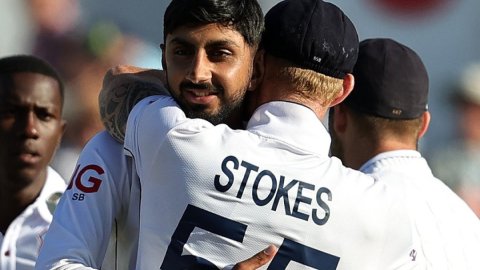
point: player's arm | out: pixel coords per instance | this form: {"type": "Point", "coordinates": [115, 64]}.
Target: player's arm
{"type": "Point", "coordinates": [123, 87]}
{"type": "Point", "coordinates": [82, 224]}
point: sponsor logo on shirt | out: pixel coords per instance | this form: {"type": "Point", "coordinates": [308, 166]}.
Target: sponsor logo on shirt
{"type": "Point", "coordinates": [85, 179]}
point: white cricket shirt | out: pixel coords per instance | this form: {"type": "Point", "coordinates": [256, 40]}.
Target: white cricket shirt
{"type": "Point", "coordinates": [99, 209]}
{"type": "Point", "coordinates": [21, 243]}
{"type": "Point", "coordinates": [448, 230]}
{"type": "Point", "coordinates": [212, 195]}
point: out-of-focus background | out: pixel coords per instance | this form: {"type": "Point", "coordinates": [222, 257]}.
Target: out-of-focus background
{"type": "Point", "coordinates": [82, 39]}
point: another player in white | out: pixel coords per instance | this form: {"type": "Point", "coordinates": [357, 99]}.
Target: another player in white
{"type": "Point", "coordinates": [31, 127]}
{"type": "Point", "coordinates": [210, 194]}
{"type": "Point", "coordinates": [377, 130]}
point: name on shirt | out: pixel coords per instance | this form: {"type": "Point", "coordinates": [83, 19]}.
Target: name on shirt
{"type": "Point", "coordinates": [291, 193]}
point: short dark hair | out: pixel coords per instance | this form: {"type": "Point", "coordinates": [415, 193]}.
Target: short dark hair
{"type": "Point", "coordinates": [377, 128]}
{"type": "Point", "coordinates": [244, 16]}
{"type": "Point", "coordinates": [30, 63]}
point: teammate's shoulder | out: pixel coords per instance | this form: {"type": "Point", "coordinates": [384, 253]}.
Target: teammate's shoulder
{"type": "Point", "coordinates": [102, 146]}
{"type": "Point", "coordinates": [153, 101]}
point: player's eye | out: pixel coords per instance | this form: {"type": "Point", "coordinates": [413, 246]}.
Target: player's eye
{"type": "Point", "coordinates": [7, 112]}
{"type": "Point", "coordinates": [219, 54]}
{"type": "Point", "coordinates": [44, 114]}
{"type": "Point", "coordinates": [182, 51]}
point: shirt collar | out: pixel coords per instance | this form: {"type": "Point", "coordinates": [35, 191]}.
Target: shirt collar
{"type": "Point", "coordinates": [292, 123]}
{"type": "Point", "coordinates": [50, 194]}
{"type": "Point", "coordinates": [385, 157]}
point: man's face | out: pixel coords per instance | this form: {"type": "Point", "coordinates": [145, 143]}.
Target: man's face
{"type": "Point", "coordinates": [30, 126]}
{"type": "Point", "coordinates": [208, 70]}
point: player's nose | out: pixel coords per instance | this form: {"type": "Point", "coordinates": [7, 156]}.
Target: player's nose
{"type": "Point", "coordinates": [200, 68]}
{"type": "Point", "coordinates": [27, 125]}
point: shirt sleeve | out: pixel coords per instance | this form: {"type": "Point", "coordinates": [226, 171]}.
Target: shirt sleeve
{"type": "Point", "coordinates": [82, 225]}
{"type": "Point", "coordinates": [148, 125]}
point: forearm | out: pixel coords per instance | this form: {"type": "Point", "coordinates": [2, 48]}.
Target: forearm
{"type": "Point", "coordinates": [123, 87]}
{"type": "Point", "coordinates": [116, 104]}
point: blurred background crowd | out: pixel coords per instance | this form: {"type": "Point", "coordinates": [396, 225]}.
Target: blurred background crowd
{"type": "Point", "coordinates": [83, 39]}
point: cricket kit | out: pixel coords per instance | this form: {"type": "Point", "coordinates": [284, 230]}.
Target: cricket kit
{"type": "Point", "coordinates": [446, 228]}
{"type": "Point", "coordinates": [212, 195]}
{"type": "Point", "coordinates": [20, 245]}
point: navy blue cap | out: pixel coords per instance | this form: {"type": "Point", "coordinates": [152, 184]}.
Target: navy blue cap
{"type": "Point", "coordinates": [313, 34]}
{"type": "Point", "coordinates": [391, 81]}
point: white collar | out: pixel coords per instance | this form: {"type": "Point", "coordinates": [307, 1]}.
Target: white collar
{"type": "Point", "coordinates": [49, 196]}
{"type": "Point", "coordinates": [291, 123]}
{"type": "Point", "coordinates": [370, 165]}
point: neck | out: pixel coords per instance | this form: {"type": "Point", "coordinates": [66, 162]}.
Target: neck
{"type": "Point", "coordinates": [367, 150]}
{"type": "Point", "coordinates": [362, 153]}
{"type": "Point", "coordinates": [281, 92]}
{"type": "Point", "coordinates": [15, 199]}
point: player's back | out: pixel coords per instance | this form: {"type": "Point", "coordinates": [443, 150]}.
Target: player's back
{"type": "Point", "coordinates": [446, 228]}
{"type": "Point", "coordinates": [213, 195]}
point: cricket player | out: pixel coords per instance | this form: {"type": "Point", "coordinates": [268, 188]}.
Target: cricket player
{"type": "Point", "coordinates": [102, 200]}
{"type": "Point", "coordinates": [377, 130]}
{"type": "Point", "coordinates": [31, 127]}
{"type": "Point", "coordinates": [210, 194]}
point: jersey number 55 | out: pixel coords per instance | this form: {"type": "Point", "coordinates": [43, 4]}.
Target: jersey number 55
{"type": "Point", "coordinates": [197, 217]}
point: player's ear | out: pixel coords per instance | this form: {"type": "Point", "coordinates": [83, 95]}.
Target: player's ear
{"type": "Point", "coordinates": [348, 83]}
{"type": "Point", "coordinates": [258, 70]}
{"type": "Point", "coordinates": [164, 63]}
{"type": "Point", "coordinates": [425, 124]}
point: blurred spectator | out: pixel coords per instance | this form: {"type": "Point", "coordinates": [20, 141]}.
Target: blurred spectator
{"type": "Point", "coordinates": [58, 35]}
{"type": "Point", "coordinates": [459, 162]}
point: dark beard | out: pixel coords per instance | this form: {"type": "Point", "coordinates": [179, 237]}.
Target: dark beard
{"type": "Point", "coordinates": [225, 112]}
{"type": "Point", "coordinates": [222, 116]}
